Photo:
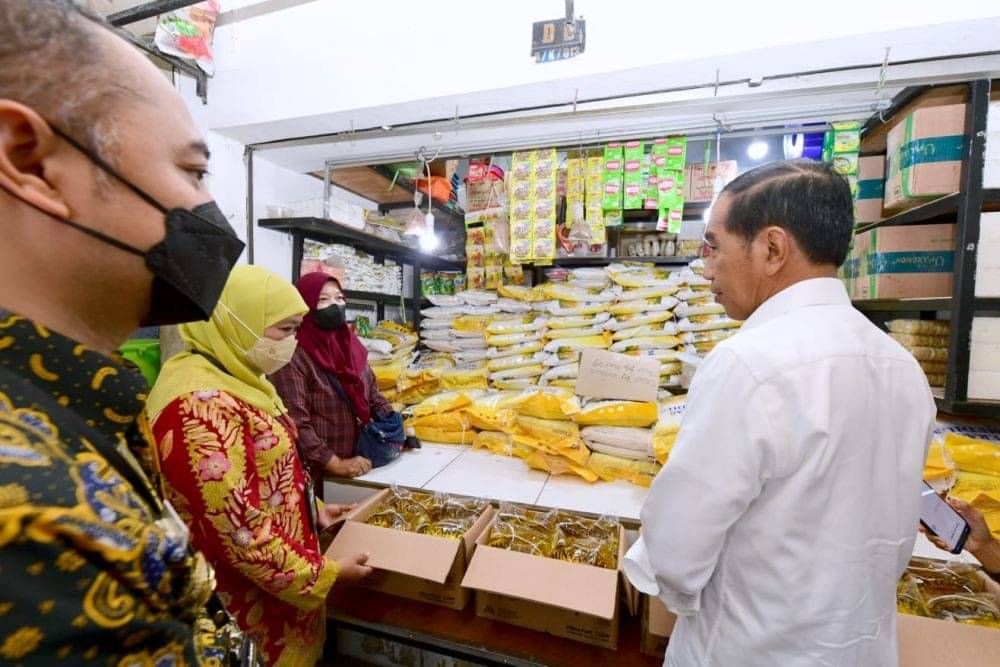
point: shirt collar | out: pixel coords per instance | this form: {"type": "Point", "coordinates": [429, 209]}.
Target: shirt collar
{"type": "Point", "coordinates": [103, 390]}
{"type": "Point", "coordinates": [805, 293]}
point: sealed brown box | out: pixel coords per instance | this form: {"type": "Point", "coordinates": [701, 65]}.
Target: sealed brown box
{"type": "Point", "coordinates": [657, 624]}
{"type": "Point", "coordinates": [410, 565]}
{"type": "Point", "coordinates": [909, 262]}
{"type": "Point", "coordinates": [569, 600]}
{"type": "Point", "coordinates": [928, 642]}
{"type": "Point", "coordinates": [871, 189]}
{"type": "Point", "coordinates": [699, 184]}
{"type": "Point", "coordinates": [924, 154]}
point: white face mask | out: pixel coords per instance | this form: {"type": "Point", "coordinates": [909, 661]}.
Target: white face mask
{"type": "Point", "coordinates": [267, 355]}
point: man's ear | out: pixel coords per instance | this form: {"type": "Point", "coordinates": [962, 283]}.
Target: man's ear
{"type": "Point", "coordinates": [27, 146]}
{"type": "Point", "coordinates": [778, 244]}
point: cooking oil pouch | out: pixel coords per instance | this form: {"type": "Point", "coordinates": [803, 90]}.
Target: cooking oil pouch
{"type": "Point", "coordinates": [919, 327]}
{"type": "Point", "coordinates": [507, 340]}
{"type": "Point", "coordinates": [909, 599]}
{"type": "Point", "coordinates": [559, 465]}
{"type": "Point", "coordinates": [496, 411]}
{"type": "Point", "coordinates": [471, 375]}
{"type": "Point", "coordinates": [938, 578]}
{"type": "Point", "coordinates": [638, 320]}
{"type": "Point", "coordinates": [973, 609]}
{"type": "Point", "coordinates": [617, 413]}
{"type": "Point", "coordinates": [428, 434]}
{"type": "Point", "coordinates": [646, 331]}
{"type": "Point", "coordinates": [525, 531]}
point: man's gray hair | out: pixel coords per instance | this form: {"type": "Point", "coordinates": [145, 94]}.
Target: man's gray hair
{"type": "Point", "coordinates": [52, 60]}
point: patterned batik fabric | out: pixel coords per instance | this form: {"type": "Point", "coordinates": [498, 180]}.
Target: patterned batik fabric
{"type": "Point", "coordinates": [233, 474]}
{"type": "Point", "coordinates": [89, 576]}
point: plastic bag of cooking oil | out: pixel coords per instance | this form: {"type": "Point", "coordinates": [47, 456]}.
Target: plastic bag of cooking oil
{"type": "Point", "coordinates": [577, 332]}
{"type": "Point", "coordinates": [909, 599]}
{"type": "Point", "coordinates": [577, 321]}
{"type": "Point", "coordinates": [577, 344]}
{"type": "Point", "coordinates": [939, 354]}
{"type": "Point", "coordinates": [566, 371]}
{"type": "Point", "coordinates": [470, 375]}
{"type": "Point", "coordinates": [642, 306]}
{"type": "Point", "coordinates": [496, 410]}
{"type": "Point", "coordinates": [644, 293]}
{"type": "Point", "coordinates": [693, 310]}
{"type": "Point", "coordinates": [588, 541]}
{"type": "Point", "coordinates": [550, 403]}
{"type": "Point", "coordinates": [939, 469]}
{"type": "Point", "coordinates": [562, 358]}
{"type": "Point", "coordinates": [518, 361]}
{"type": "Point", "coordinates": [707, 323]}
{"type": "Point", "coordinates": [507, 340]}
{"type": "Point", "coordinates": [562, 292]}
{"type": "Point", "coordinates": [520, 349]}
{"type": "Point", "coordinates": [559, 465]}
{"type": "Point", "coordinates": [919, 327]}
{"type": "Point", "coordinates": [573, 309]}
{"type": "Point", "coordinates": [638, 320]}
{"type": "Point", "coordinates": [974, 455]}
{"type": "Point", "coordinates": [617, 413]}
{"type": "Point", "coordinates": [646, 331]}
{"type": "Point", "coordinates": [455, 420]}
{"type": "Point", "coordinates": [443, 402]}
{"type": "Point", "coordinates": [611, 468]}
{"type": "Point", "coordinates": [426, 369]}
{"type": "Point", "coordinates": [524, 324]}
{"type": "Point", "coordinates": [970, 608]}
{"type": "Point", "coordinates": [428, 434]}
{"type": "Point", "coordinates": [528, 531]}
{"type": "Point", "coordinates": [471, 323]}
{"type": "Point", "coordinates": [646, 343]}
{"type": "Point", "coordinates": [522, 373]}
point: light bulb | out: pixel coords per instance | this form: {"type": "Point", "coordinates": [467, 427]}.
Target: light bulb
{"type": "Point", "coordinates": [757, 150]}
{"type": "Point", "coordinates": [428, 241]}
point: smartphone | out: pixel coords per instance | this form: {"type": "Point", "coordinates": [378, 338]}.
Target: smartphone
{"type": "Point", "coordinates": [941, 519]}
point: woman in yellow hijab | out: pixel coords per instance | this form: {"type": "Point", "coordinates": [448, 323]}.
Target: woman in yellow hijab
{"type": "Point", "coordinates": [226, 451]}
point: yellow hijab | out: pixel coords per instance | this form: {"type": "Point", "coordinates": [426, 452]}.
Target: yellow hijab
{"type": "Point", "coordinates": [253, 300]}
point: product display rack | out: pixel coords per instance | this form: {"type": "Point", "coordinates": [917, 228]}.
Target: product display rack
{"type": "Point", "coordinates": [325, 231]}
{"type": "Point", "coordinates": [966, 207]}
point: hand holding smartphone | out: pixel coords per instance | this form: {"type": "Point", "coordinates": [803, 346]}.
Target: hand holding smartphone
{"type": "Point", "coordinates": [940, 518]}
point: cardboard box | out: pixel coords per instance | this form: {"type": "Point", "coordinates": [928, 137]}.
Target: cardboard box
{"type": "Point", "coordinates": [924, 155]}
{"type": "Point", "coordinates": [871, 189]}
{"type": "Point", "coordinates": [410, 565]}
{"type": "Point", "coordinates": [699, 184]}
{"type": "Point", "coordinates": [657, 625]}
{"type": "Point", "coordinates": [928, 642]}
{"type": "Point", "coordinates": [909, 262]}
{"type": "Point", "coordinates": [569, 600]}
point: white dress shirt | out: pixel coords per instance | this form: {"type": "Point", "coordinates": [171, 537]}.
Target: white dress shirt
{"type": "Point", "coordinates": [788, 508]}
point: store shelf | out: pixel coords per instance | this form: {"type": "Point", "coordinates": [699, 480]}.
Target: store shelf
{"type": "Point", "coordinates": [604, 261]}
{"type": "Point", "coordinates": [922, 305]}
{"type": "Point", "coordinates": [450, 210]}
{"type": "Point", "coordinates": [692, 211]}
{"type": "Point", "coordinates": [931, 211]}
{"type": "Point", "coordinates": [326, 231]}
{"type": "Point", "coordinates": [965, 408]}
{"type": "Point", "coordinates": [377, 297]}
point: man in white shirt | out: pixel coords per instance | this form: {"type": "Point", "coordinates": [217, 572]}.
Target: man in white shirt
{"type": "Point", "coordinates": [788, 509]}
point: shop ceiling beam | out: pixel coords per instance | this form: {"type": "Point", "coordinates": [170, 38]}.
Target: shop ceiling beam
{"type": "Point", "coordinates": [147, 10]}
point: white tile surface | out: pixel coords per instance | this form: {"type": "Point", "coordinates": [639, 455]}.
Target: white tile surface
{"type": "Point", "coordinates": [619, 498]}
{"type": "Point", "coordinates": [415, 467]}
{"type": "Point", "coordinates": [481, 473]}
{"type": "Point", "coordinates": [923, 548]}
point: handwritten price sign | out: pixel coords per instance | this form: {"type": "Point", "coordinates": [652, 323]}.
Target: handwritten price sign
{"type": "Point", "coordinates": [617, 376]}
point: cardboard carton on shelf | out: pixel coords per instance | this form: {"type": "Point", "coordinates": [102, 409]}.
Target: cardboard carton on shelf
{"type": "Point", "coordinates": [871, 189]}
{"type": "Point", "coordinates": [657, 625]}
{"type": "Point", "coordinates": [909, 262]}
{"type": "Point", "coordinates": [924, 156]}
{"type": "Point", "coordinates": [410, 565]}
{"type": "Point", "coordinates": [569, 600]}
{"type": "Point", "coordinates": [699, 183]}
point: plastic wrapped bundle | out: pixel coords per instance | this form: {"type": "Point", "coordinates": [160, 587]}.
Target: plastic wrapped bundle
{"type": "Point", "coordinates": [617, 413]}
{"type": "Point", "coordinates": [611, 468]}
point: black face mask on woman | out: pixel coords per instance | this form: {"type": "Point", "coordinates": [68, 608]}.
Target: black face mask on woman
{"type": "Point", "coordinates": [332, 317]}
{"type": "Point", "coordinates": [190, 265]}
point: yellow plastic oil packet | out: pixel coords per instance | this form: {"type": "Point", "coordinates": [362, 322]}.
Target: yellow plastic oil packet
{"type": "Point", "coordinates": [514, 350]}
{"type": "Point", "coordinates": [643, 293]}
{"type": "Point", "coordinates": [617, 413]}
{"type": "Point", "coordinates": [496, 410]}
{"type": "Point", "coordinates": [455, 420]}
{"type": "Point", "coordinates": [547, 431]}
{"type": "Point", "coordinates": [470, 375]}
{"type": "Point", "coordinates": [646, 331]}
{"type": "Point", "coordinates": [525, 324]}
{"type": "Point", "coordinates": [638, 320]}
{"type": "Point", "coordinates": [518, 361]}
{"type": "Point", "coordinates": [641, 306]}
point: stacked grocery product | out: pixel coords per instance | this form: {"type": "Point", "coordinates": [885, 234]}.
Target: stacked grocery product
{"type": "Point", "coordinates": [438, 514]}
{"type": "Point", "coordinates": [532, 205]}
{"type": "Point", "coordinates": [442, 283]}
{"type": "Point", "coordinates": [390, 349]}
{"type": "Point", "coordinates": [965, 461]}
{"type": "Point", "coordinates": [927, 341]}
{"type": "Point", "coordinates": [360, 271]}
{"type": "Point", "coordinates": [557, 534]}
{"type": "Point", "coordinates": [948, 591]}
{"type": "Point", "coordinates": [702, 323]}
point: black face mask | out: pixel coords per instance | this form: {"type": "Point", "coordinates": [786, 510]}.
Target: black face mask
{"type": "Point", "coordinates": [190, 265]}
{"type": "Point", "coordinates": [332, 317]}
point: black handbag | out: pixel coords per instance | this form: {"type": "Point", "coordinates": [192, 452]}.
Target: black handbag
{"type": "Point", "coordinates": [381, 439]}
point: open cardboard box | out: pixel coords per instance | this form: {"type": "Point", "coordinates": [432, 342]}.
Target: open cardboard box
{"type": "Point", "coordinates": [410, 565]}
{"type": "Point", "coordinates": [657, 623]}
{"type": "Point", "coordinates": [569, 600]}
